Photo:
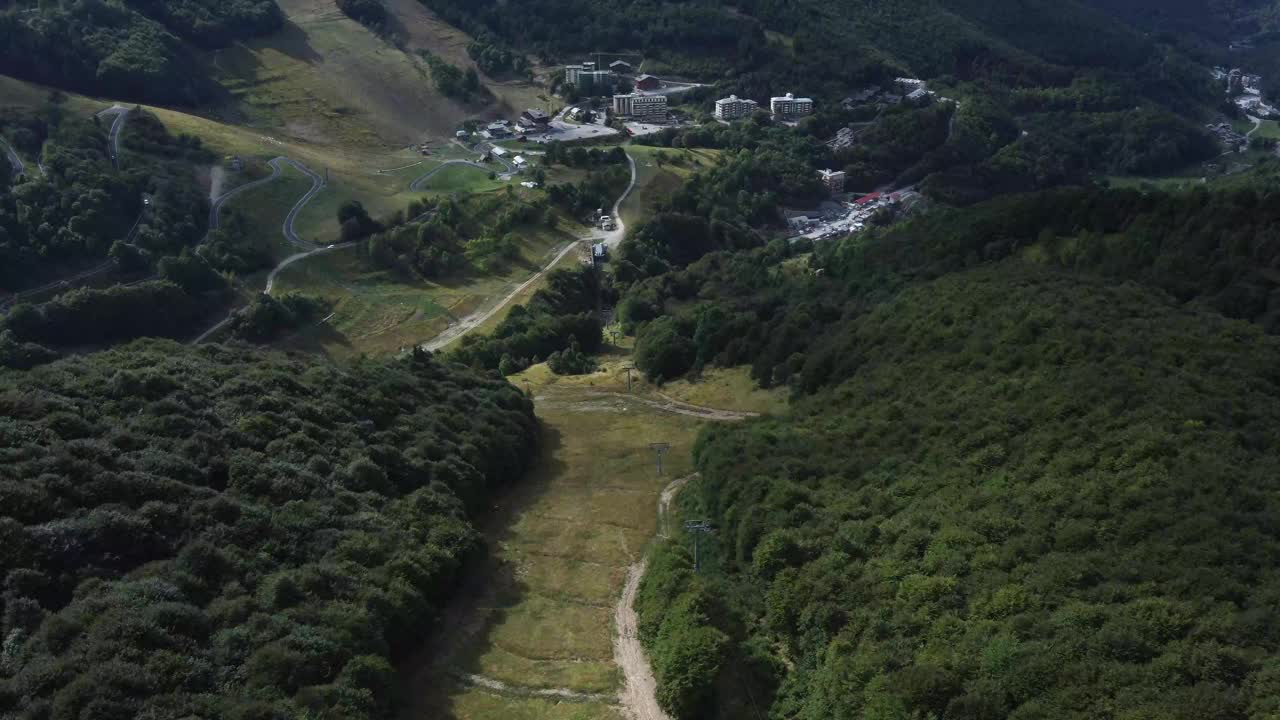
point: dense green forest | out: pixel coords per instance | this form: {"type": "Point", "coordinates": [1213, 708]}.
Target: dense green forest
{"type": "Point", "coordinates": [1027, 473]}
{"type": "Point", "coordinates": [72, 218]}
{"type": "Point", "coordinates": [447, 236]}
{"type": "Point", "coordinates": [216, 532]}
{"type": "Point", "coordinates": [1218, 22]}
{"type": "Point", "coordinates": [559, 318]}
{"type": "Point", "coordinates": [1032, 494]}
{"type": "Point", "coordinates": [766, 309]}
{"type": "Point", "coordinates": [141, 50]}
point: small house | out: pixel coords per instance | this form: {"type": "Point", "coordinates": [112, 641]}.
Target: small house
{"type": "Point", "coordinates": [621, 67]}
{"type": "Point", "coordinates": [647, 82]}
{"type": "Point", "coordinates": [534, 116]}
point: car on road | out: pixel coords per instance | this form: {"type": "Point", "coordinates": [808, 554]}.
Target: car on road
{"type": "Point", "coordinates": [331, 246]}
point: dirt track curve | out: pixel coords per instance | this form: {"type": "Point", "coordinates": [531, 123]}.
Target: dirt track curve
{"type": "Point", "coordinates": [638, 697]}
{"type": "Point", "coordinates": [478, 318]}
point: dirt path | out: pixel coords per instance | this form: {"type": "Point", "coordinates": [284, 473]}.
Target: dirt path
{"type": "Point", "coordinates": [639, 691]}
{"type": "Point", "coordinates": [679, 407]}
{"type": "Point", "coordinates": [664, 504]}
{"type": "Point", "coordinates": [614, 236]}
{"type": "Point", "coordinates": [478, 318]}
{"type": "Point", "coordinates": [271, 279]}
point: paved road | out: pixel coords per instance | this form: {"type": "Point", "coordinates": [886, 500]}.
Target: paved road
{"type": "Point", "coordinates": [215, 207]}
{"type": "Point", "coordinates": [317, 184]}
{"type": "Point", "coordinates": [113, 145]}
{"type": "Point", "coordinates": [614, 236]}
{"type": "Point", "coordinates": [18, 168]}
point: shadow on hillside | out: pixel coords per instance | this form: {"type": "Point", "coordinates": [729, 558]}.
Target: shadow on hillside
{"type": "Point", "coordinates": [292, 41]}
{"type": "Point", "coordinates": [488, 586]}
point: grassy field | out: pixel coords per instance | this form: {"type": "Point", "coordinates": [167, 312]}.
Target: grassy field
{"type": "Point", "coordinates": [378, 311]}
{"type": "Point", "coordinates": [654, 181]}
{"type": "Point", "coordinates": [266, 207]}
{"type": "Point", "coordinates": [562, 540]}
{"type": "Point", "coordinates": [728, 389]}
{"type": "Point", "coordinates": [463, 179]}
{"type": "Point", "coordinates": [1269, 129]}
{"type": "Point", "coordinates": [325, 78]}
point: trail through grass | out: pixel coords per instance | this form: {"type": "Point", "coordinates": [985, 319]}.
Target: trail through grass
{"type": "Point", "coordinates": [378, 310]}
{"type": "Point", "coordinates": [562, 539]}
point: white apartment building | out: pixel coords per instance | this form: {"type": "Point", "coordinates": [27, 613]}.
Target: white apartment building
{"type": "Point", "coordinates": [734, 107]}
{"type": "Point", "coordinates": [641, 106]}
{"type": "Point", "coordinates": [790, 106]}
{"type": "Point", "coordinates": [833, 179]}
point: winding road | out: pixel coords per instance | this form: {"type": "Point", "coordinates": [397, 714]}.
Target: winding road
{"type": "Point", "coordinates": [113, 141]}
{"type": "Point", "coordinates": [478, 318]}
{"type": "Point", "coordinates": [277, 167]}
{"type": "Point", "coordinates": [18, 168]}
{"type": "Point", "coordinates": [317, 184]}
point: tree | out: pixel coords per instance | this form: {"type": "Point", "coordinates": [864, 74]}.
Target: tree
{"type": "Point", "coordinates": [663, 351]}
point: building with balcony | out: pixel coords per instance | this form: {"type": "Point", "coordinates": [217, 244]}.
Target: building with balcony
{"type": "Point", "coordinates": [734, 108]}
{"type": "Point", "coordinates": [790, 106]}
{"type": "Point", "coordinates": [833, 179]}
{"type": "Point", "coordinates": [641, 106]}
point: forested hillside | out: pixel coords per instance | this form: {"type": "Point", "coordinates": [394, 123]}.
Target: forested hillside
{"type": "Point", "coordinates": [1214, 21]}
{"type": "Point", "coordinates": [1032, 495]}
{"type": "Point", "coordinates": [139, 50]}
{"type": "Point", "coordinates": [1028, 472]}
{"type": "Point", "coordinates": [218, 533]}
{"type": "Point", "coordinates": [73, 214]}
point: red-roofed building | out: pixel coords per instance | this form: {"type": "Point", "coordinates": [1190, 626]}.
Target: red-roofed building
{"type": "Point", "coordinates": [867, 199]}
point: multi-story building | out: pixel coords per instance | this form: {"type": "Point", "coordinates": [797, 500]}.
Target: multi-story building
{"type": "Point", "coordinates": [833, 179]}
{"type": "Point", "coordinates": [641, 106]}
{"type": "Point", "coordinates": [734, 107]}
{"type": "Point", "coordinates": [587, 78]}
{"type": "Point", "coordinates": [789, 106]}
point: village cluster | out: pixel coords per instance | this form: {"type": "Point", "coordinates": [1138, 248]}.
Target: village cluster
{"type": "Point", "coordinates": [638, 104]}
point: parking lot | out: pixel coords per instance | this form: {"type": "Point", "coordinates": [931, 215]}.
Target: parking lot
{"type": "Point", "coordinates": [565, 131]}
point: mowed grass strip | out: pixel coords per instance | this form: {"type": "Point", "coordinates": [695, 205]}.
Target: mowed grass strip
{"type": "Point", "coordinates": [585, 514]}
{"type": "Point", "coordinates": [511, 666]}
{"type": "Point", "coordinates": [561, 541]}
{"type": "Point", "coordinates": [375, 310]}
{"type": "Point", "coordinates": [476, 704]}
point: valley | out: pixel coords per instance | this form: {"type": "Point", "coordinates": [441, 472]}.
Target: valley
{"type": "Point", "coordinates": [371, 359]}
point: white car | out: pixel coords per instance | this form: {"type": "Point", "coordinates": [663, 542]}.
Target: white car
{"type": "Point", "coordinates": [332, 246]}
